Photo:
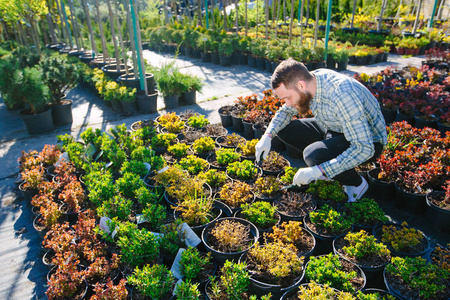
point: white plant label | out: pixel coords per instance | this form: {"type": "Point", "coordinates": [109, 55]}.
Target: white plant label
{"type": "Point", "coordinates": [140, 218]}
{"type": "Point", "coordinates": [190, 237]}
{"type": "Point", "coordinates": [163, 169]}
{"type": "Point", "coordinates": [104, 226]}
{"type": "Point", "coordinates": [157, 234]}
{"type": "Point", "coordinates": [176, 268]}
{"type": "Point", "coordinates": [176, 286]}
{"type": "Point", "coordinates": [62, 157]}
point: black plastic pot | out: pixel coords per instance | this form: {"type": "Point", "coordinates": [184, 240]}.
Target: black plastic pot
{"type": "Point", "coordinates": [129, 108]}
{"type": "Point", "coordinates": [112, 72]}
{"type": "Point", "coordinates": [260, 288]}
{"type": "Point", "coordinates": [242, 59]}
{"type": "Point", "coordinates": [389, 115]}
{"type": "Point", "coordinates": [134, 83]}
{"type": "Point", "coordinates": [238, 126]}
{"type": "Point", "coordinates": [324, 243]}
{"type": "Point", "coordinates": [380, 189]}
{"type": "Point", "coordinates": [258, 130]}
{"type": "Point", "coordinates": [342, 65]}
{"type": "Point", "coordinates": [249, 134]}
{"type": "Point", "coordinates": [27, 194]}
{"type": "Point", "coordinates": [374, 274]}
{"type": "Point", "coordinates": [378, 231]}
{"type": "Point", "coordinates": [410, 202]}
{"type": "Point", "coordinates": [260, 63]}
{"type": "Point", "coordinates": [422, 123]}
{"type": "Point", "coordinates": [439, 217]}
{"type": "Point", "coordinates": [225, 60]}
{"type": "Point", "coordinates": [188, 98]}
{"type": "Point", "coordinates": [251, 61]}
{"type": "Point", "coordinates": [402, 117]}
{"type": "Point", "coordinates": [171, 101]}
{"type": "Point", "coordinates": [225, 119]}
{"type": "Point", "coordinates": [268, 65]}
{"type": "Point", "coordinates": [116, 106]}
{"type": "Point", "coordinates": [205, 56]}
{"type": "Point", "coordinates": [38, 123]}
{"type": "Point", "coordinates": [215, 58]}
{"type": "Point", "coordinates": [147, 104]}
{"type": "Point", "coordinates": [221, 257]}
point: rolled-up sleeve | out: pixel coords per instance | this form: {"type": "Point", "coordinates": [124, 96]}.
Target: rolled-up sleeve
{"type": "Point", "coordinates": [281, 119]}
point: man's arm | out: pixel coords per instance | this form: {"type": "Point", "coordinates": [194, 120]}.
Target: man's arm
{"type": "Point", "coordinates": [281, 119]}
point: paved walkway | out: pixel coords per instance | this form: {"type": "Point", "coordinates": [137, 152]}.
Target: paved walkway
{"type": "Point", "coordinates": [23, 274]}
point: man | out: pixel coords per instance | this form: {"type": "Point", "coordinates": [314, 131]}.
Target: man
{"type": "Point", "coordinates": [347, 129]}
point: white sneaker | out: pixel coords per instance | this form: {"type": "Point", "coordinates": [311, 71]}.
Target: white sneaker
{"type": "Point", "coordinates": [356, 192]}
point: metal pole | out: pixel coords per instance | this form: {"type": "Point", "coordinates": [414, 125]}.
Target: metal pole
{"type": "Point", "coordinates": [206, 14]}
{"type": "Point", "coordinates": [430, 24]}
{"type": "Point", "coordinates": [63, 7]}
{"type": "Point", "coordinates": [327, 33]}
{"type": "Point", "coordinates": [138, 46]}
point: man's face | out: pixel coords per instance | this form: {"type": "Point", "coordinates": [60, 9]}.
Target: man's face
{"type": "Point", "coordinates": [296, 97]}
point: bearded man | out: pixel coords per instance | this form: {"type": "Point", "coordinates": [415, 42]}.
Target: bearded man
{"type": "Point", "coordinates": [347, 130]}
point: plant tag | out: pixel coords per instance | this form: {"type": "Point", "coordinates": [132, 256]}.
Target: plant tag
{"type": "Point", "coordinates": [163, 170]}
{"type": "Point", "coordinates": [148, 166]}
{"type": "Point", "coordinates": [176, 268]}
{"type": "Point", "coordinates": [98, 155]}
{"type": "Point", "coordinates": [188, 236]}
{"type": "Point", "coordinates": [140, 218]}
{"type": "Point", "coordinates": [62, 157]}
{"type": "Point", "coordinates": [108, 164]}
{"type": "Point", "coordinates": [104, 225]}
{"type": "Point", "coordinates": [176, 286]}
{"type": "Point", "coordinates": [89, 152]}
{"type": "Point", "coordinates": [158, 235]}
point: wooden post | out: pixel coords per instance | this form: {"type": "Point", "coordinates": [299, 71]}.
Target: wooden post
{"type": "Point", "coordinates": [316, 27]}
{"type": "Point", "coordinates": [102, 34]}
{"type": "Point", "coordinates": [89, 25]}
{"type": "Point", "coordinates": [292, 21]}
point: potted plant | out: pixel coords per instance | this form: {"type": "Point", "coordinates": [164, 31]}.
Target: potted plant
{"type": "Point", "coordinates": [67, 281]}
{"type": "Point", "coordinates": [197, 121]}
{"type": "Point", "coordinates": [225, 52]}
{"type": "Point", "coordinates": [154, 281]}
{"type": "Point", "coordinates": [438, 203]}
{"type": "Point", "coordinates": [188, 188]}
{"type": "Point", "coordinates": [247, 149]}
{"type": "Point", "coordinates": [274, 164]}
{"type": "Point", "coordinates": [366, 213]}
{"type": "Point", "coordinates": [363, 250]}
{"type": "Point", "coordinates": [162, 141]}
{"type": "Point", "coordinates": [176, 127]}
{"type": "Point", "coordinates": [127, 98]}
{"type": "Point", "coordinates": [110, 291]}
{"type": "Point", "coordinates": [187, 290]}
{"type": "Point", "coordinates": [324, 191]}
{"type": "Point", "coordinates": [414, 276]}
{"type": "Point", "coordinates": [169, 84]}
{"type": "Point", "coordinates": [204, 146]}
{"type": "Point", "coordinates": [326, 224]}
{"type": "Point", "coordinates": [274, 267]}
{"type": "Point", "coordinates": [260, 213]}
{"type": "Point", "coordinates": [191, 85]}
{"type": "Point", "coordinates": [197, 267]}
{"type": "Point", "coordinates": [228, 238]}
{"type": "Point", "coordinates": [315, 291]}
{"type": "Point", "coordinates": [230, 141]}
{"type": "Point", "coordinates": [338, 273]}
{"type": "Point", "coordinates": [234, 194]}
{"type": "Point", "coordinates": [214, 178]}
{"type": "Point", "coordinates": [194, 164]}
{"type": "Point", "coordinates": [401, 239]}
{"type": "Point", "coordinates": [60, 75]}
{"type": "Point", "coordinates": [223, 157]}
{"type": "Point", "coordinates": [177, 151]}
{"type": "Point", "coordinates": [267, 188]}
{"type": "Point", "coordinates": [244, 170]}
{"type": "Point", "coordinates": [294, 206]}
{"type": "Point", "coordinates": [232, 283]}
{"type": "Point", "coordinates": [34, 93]}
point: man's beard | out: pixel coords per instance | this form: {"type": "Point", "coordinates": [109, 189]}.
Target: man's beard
{"type": "Point", "coordinates": [303, 102]}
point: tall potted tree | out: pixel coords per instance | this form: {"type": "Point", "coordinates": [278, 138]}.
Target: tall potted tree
{"type": "Point", "coordinates": [60, 75]}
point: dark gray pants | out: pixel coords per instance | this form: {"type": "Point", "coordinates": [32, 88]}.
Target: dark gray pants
{"type": "Point", "coordinates": [319, 146]}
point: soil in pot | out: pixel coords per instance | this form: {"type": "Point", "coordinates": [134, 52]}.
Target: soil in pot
{"type": "Point", "coordinates": [214, 130]}
{"type": "Point", "coordinates": [230, 141]}
{"type": "Point", "coordinates": [274, 164]}
{"type": "Point", "coordinates": [294, 206]}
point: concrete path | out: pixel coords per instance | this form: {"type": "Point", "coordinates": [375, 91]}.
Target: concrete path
{"type": "Point", "coordinates": [23, 274]}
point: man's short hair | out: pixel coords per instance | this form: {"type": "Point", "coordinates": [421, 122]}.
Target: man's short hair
{"type": "Point", "coordinates": [289, 72]}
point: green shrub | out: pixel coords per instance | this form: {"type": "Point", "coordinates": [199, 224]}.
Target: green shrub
{"type": "Point", "coordinates": [155, 281]}
{"type": "Point", "coordinates": [244, 170]}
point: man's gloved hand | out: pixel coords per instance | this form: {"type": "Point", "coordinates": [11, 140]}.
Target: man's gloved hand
{"type": "Point", "coordinates": [263, 147]}
{"type": "Point", "coordinates": [305, 175]}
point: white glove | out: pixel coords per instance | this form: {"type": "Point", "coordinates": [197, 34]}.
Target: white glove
{"type": "Point", "coordinates": [263, 147]}
{"type": "Point", "coordinates": [305, 175]}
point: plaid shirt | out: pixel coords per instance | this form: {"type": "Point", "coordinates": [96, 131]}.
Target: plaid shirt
{"type": "Point", "coordinates": [341, 104]}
